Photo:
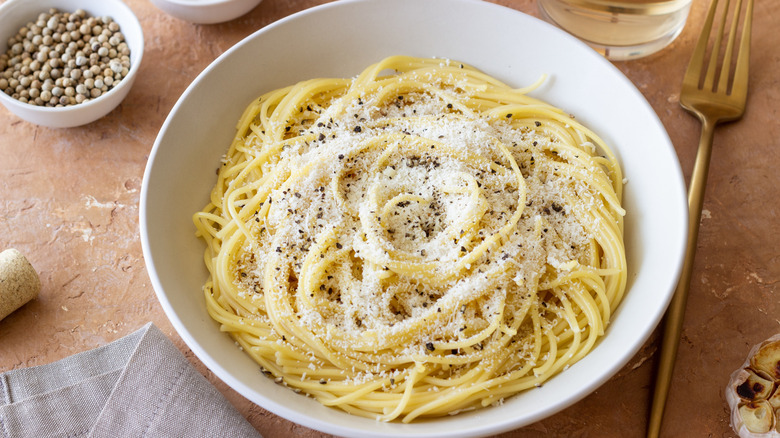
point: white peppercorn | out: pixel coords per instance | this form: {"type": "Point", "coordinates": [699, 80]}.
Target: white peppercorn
{"type": "Point", "coordinates": [62, 58]}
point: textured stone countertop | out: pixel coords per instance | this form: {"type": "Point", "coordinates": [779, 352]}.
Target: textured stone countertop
{"type": "Point", "coordinates": [69, 202]}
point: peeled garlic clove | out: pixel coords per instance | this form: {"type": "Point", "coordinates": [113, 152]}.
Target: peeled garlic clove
{"type": "Point", "coordinates": [754, 387]}
{"type": "Point", "coordinates": [767, 359]}
{"type": "Point", "coordinates": [758, 417]}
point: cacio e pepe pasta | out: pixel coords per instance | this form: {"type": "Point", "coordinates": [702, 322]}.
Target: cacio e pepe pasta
{"type": "Point", "coordinates": [415, 241]}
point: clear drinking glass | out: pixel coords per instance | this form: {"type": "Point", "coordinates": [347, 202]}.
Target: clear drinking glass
{"type": "Point", "coordinates": [619, 29]}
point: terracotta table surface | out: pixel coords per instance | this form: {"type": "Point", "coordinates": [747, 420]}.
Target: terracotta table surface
{"type": "Point", "coordinates": [69, 202]}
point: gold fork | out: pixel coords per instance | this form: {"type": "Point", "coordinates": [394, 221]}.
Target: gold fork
{"type": "Point", "coordinates": [712, 103]}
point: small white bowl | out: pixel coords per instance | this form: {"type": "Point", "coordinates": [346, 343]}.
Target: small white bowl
{"type": "Point", "coordinates": [206, 11]}
{"type": "Point", "coordinates": [16, 13]}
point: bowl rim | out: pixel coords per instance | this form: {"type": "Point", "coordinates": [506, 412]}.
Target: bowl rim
{"type": "Point", "coordinates": [136, 56]}
{"type": "Point", "coordinates": [202, 4]}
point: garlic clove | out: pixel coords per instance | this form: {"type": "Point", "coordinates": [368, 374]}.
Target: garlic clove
{"type": "Point", "coordinates": [753, 387]}
{"type": "Point", "coordinates": [774, 400]}
{"type": "Point", "coordinates": [757, 416]}
{"type": "Point", "coordinates": [767, 359]}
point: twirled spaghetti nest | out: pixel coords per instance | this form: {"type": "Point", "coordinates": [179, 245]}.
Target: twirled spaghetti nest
{"type": "Point", "coordinates": [415, 241]}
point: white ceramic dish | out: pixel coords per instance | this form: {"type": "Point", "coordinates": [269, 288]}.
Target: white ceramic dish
{"type": "Point", "coordinates": [16, 13]}
{"type": "Point", "coordinates": [206, 11]}
{"type": "Point", "coordinates": [340, 39]}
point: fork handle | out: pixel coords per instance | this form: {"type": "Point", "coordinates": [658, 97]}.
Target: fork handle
{"type": "Point", "coordinates": [676, 311]}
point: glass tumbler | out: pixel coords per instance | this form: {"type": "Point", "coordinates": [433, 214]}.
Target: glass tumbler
{"type": "Point", "coordinates": [619, 29]}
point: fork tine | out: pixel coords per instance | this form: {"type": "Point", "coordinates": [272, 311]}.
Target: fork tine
{"type": "Point", "coordinates": [723, 82]}
{"type": "Point", "coordinates": [693, 73]}
{"type": "Point", "coordinates": [709, 79]}
{"type": "Point", "coordinates": [743, 57]}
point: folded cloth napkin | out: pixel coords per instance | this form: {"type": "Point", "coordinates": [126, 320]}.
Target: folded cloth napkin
{"type": "Point", "coordinates": [137, 386]}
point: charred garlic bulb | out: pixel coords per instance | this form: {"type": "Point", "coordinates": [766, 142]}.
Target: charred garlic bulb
{"type": "Point", "coordinates": [753, 393]}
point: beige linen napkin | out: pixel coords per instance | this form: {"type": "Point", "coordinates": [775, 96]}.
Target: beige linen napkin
{"type": "Point", "coordinates": [137, 386]}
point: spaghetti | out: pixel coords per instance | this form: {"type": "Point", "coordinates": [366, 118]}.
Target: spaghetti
{"type": "Point", "coordinates": [413, 242]}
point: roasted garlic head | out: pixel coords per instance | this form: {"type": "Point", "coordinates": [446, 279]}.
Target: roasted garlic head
{"type": "Point", "coordinates": [753, 393]}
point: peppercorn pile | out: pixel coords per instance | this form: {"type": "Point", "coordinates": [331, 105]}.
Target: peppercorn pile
{"type": "Point", "coordinates": [64, 59]}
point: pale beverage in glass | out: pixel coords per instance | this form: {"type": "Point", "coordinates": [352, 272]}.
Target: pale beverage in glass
{"type": "Point", "coordinates": [619, 29]}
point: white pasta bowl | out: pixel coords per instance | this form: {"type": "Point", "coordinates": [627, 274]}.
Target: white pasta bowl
{"type": "Point", "coordinates": [339, 40]}
{"type": "Point", "coordinates": [206, 11]}
{"type": "Point", "coordinates": [16, 13]}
